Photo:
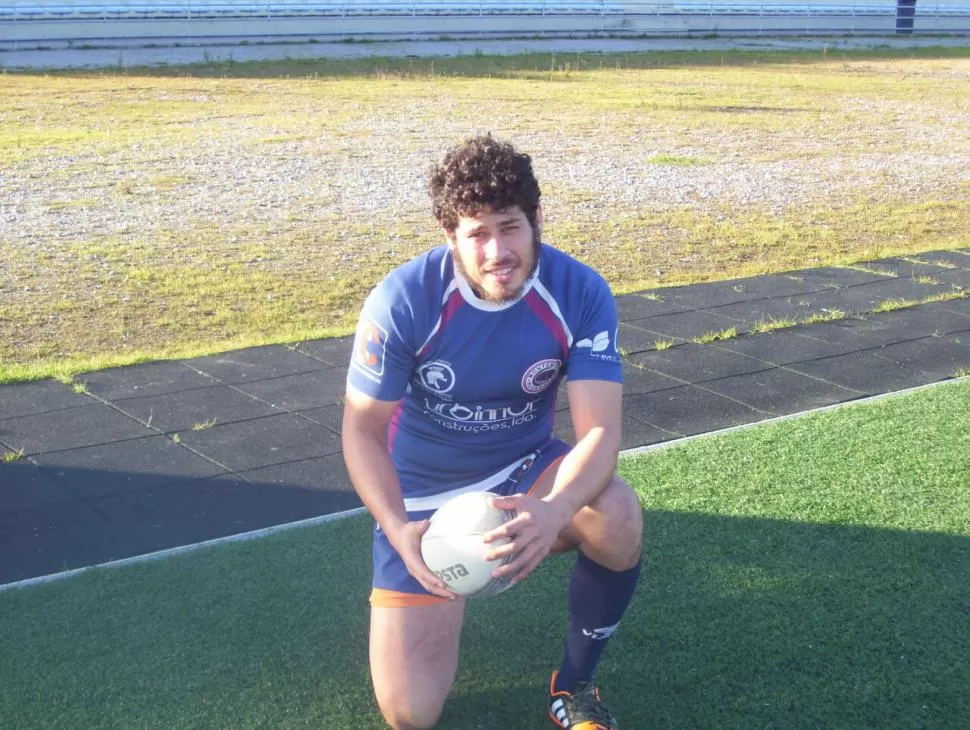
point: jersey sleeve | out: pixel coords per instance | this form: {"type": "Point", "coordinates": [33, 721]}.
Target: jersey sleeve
{"type": "Point", "coordinates": [384, 350]}
{"type": "Point", "coordinates": [594, 354]}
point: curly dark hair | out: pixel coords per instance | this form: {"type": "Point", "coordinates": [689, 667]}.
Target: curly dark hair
{"type": "Point", "coordinates": [482, 174]}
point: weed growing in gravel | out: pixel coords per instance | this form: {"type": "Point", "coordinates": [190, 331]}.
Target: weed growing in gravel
{"type": "Point", "coordinates": [10, 456]}
{"type": "Point", "coordinates": [709, 337]}
{"type": "Point", "coordinates": [771, 323]}
{"type": "Point", "coordinates": [826, 315]}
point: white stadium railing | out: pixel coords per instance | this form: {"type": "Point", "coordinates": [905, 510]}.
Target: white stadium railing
{"type": "Point", "coordinates": [59, 9]}
{"type": "Point", "coordinates": [41, 9]}
{"type": "Point", "coordinates": [68, 20]}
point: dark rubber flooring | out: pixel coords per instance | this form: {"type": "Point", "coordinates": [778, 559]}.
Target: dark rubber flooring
{"type": "Point", "coordinates": [171, 453]}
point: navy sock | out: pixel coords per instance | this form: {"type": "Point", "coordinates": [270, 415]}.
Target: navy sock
{"type": "Point", "coordinates": [598, 598]}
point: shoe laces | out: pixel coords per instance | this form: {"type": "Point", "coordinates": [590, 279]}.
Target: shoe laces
{"type": "Point", "coordinates": [584, 705]}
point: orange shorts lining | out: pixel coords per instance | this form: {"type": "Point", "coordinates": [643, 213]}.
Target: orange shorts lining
{"type": "Point", "coordinates": [553, 463]}
{"type": "Point", "coordinates": [384, 598]}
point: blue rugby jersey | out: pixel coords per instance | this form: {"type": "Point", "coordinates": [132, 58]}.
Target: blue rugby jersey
{"type": "Point", "coordinates": [477, 381]}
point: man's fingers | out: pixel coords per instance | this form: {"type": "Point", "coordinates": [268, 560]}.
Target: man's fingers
{"type": "Point", "coordinates": [509, 501]}
{"type": "Point", "coordinates": [525, 562]}
{"type": "Point", "coordinates": [421, 527]}
{"type": "Point", "coordinates": [410, 553]}
{"type": "Point", "coordinates": [431, 582]}
{"type": "Point", "coordinates": [439, 590]}
{"type": "Point", "coordinates": [501, 552]}
{"type": "Point", "coordinates": [428, 579]}
{"type": "Point", "coordinates": [510, 529]}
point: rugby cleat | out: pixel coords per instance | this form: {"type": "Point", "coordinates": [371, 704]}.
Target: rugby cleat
{"type": "Point", "coordinates": [580, 709]}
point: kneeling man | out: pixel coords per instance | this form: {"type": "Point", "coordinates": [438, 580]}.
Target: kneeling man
{"type": "Point", "coordinates": [452, 388]}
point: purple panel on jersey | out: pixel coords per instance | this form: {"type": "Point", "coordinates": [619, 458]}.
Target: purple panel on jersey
{"type": "Point", "coordinates": [548, 318]}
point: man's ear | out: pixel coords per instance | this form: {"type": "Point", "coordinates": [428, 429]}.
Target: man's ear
{"type": "Point", "coordinates": [539, 220]}
{"type": "Point", "coordinates": [450, 235]}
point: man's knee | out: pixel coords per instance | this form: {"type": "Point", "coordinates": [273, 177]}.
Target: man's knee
{"type": "Point", "coordinates": [620, 532]}
{"type": "Point", "coordinates": [404, 713]}
{"type": "Point", "coordinates": [414, 658]}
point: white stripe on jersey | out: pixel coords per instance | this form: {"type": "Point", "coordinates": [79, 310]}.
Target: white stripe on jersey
{"type": "Point", "coordinates": [554, 306]}
{"type": "Point", "coordinates": [364, 371]}
{"type": "Point", "coordinates": [435, 501]}
{"type": "Point", "coordinates": [437, 325]}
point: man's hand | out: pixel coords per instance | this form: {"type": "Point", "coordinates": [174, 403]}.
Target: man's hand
{"type": "Point", "coordinates": [406, 539]}
{"type": "Point", "coordinates": [532, 533]}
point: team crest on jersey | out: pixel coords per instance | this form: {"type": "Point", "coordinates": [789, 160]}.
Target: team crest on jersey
{"type": "Point", "coordinates": [540, 375]}
{"type": "Point", "coordinates": [370, 347]}
{"type": "Point", "coordinates": [437, 376]}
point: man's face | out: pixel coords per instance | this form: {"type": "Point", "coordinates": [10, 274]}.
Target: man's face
{"type": "Point", "coordinates": [496, 251]}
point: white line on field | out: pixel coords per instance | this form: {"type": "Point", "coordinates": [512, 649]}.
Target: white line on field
{"type": "Point", "coordinates": [239, 537]}
{"type": "Point", "coordinates": [787, 417]}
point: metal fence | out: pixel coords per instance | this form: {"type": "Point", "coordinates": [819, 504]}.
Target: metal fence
{"type": "Point", "coordinates": [82, 20]}
{"type": "Point", "coordinates": [125, 9]}
{"type": "Point", "coordinates": [55, 9]}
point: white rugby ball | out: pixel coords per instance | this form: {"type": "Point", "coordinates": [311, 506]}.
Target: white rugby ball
{"type": "Point", "coordinates": [452, 546]}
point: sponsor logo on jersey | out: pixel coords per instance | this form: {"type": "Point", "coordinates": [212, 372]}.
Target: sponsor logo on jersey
{"type": "Point", "coordinates": [540, 375]}
{"type": "Point", "coordinates": [370, 347]}
{"type": "Point", "coordinates": [599, 346]}
{"type": "Point", "coordinates": [437, 376]}
{"type": "Point", "coordinates": [479, 419]}
{"type": "Point", "coordinates": [598, 343]}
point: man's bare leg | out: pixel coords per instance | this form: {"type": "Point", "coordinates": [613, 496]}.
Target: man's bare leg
{"type": "Point", "coordinates": [609, 530]}
{"type": "Point", "coordinates": [414, 659]}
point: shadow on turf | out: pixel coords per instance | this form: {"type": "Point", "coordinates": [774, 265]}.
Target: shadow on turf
{"type": "Point", "coordinates": [742, 623]}
{"type": "Point", "coordinates": [56, 518]}
{"type": "Point", "coordinates": [739, 622]}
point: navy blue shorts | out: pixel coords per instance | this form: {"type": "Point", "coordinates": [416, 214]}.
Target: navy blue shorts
{"type": "Point", "coordinates": [392, 585]}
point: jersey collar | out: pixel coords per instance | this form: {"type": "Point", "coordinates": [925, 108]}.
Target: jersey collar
{"type": "Point", "coordinates": [471, 298]}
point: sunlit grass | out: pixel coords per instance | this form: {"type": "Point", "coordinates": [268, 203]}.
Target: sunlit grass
{"type": "Point", "coordinates": [77, 299]}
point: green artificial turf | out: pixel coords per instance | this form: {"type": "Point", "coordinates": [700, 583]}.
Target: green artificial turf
{"type": "Point", "coordinates": [811, 573]}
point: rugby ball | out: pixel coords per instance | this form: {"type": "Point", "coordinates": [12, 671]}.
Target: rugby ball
{"type": "Point", "coordinates": [452, 546]}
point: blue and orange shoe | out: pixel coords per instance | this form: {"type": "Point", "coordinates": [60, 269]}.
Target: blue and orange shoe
{"type": "Point", "coordinates": [581, 709]}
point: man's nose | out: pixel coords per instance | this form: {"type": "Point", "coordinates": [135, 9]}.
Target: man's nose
{"type": "Point", "coordinates": [496, 248]}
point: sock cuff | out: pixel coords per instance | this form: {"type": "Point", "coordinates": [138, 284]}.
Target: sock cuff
{"type": "Point", "coordinates": [589, 564]}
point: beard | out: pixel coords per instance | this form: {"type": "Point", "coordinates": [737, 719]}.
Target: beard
{"type": "Point", "coordinates": [492, 298]}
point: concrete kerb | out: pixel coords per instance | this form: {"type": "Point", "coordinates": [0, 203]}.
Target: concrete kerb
{"type": "Point", "coordinates": [127, 56]}
{"type": "Point", "coordinates": [323, 519]}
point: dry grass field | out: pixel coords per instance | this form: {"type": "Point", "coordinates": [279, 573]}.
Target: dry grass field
{"type": "Point", "coordinates": [160, 213]}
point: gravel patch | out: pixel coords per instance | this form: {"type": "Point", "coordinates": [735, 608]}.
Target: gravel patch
{"type": "Point", "coordinates": [319, 192]}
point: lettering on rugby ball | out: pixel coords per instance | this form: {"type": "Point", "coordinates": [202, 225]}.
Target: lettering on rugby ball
{"type": "Point", "coordinates": [453, 546]}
